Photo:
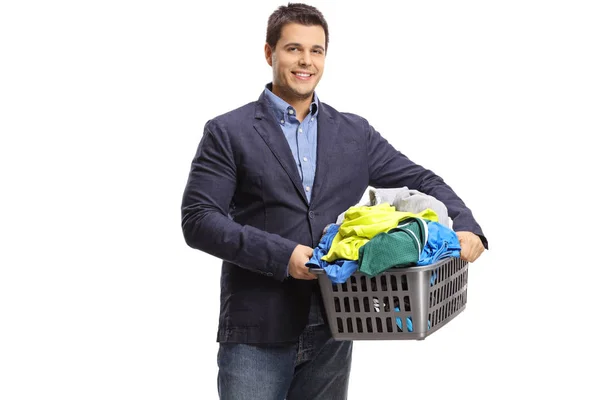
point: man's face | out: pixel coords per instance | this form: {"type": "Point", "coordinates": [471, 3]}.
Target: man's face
{"type": "Point", "coordinates": [298, 61]}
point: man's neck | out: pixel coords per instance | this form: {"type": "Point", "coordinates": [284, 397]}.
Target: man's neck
{"type": "Point", "coordinates": [302, 106]}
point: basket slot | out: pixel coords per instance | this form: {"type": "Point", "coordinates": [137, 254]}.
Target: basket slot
{"type": "Point", "coordinates": [346, 304]}
{"type": "Point", "coordinates": [359, 325]}
{"type": "Point", "coordinates": [374, 284]}
{"type": "Point", "coordinates": [383, 281]}
{"type": "Point", "coordinates": [363, 284]}
{"type": "Point", "coordinates": [404, 282]}
{"type": "Point", "coordinates": [349, 322]}
{"type": "Point", "coordinates": [367, 304]}
{"type": "Point", "coordinates": [340, 325]}
{"type": "Point", "coordinates": [406, 303]}
{"type": "Point", "coordinates": [356, 303]}
{"type": "Point", "coordinates": [444, 272]}
{"type": "Point", "coordinates": [336, 303]}
{"type": "Point", "coordinates": [434, 278]}
{"type": "Point", "coordinates": [353, 284]}
{"type": "Point", "coordinates": [386, 304]}
{"type": "Point", "coordinates": [379, 325]}
{"type": "Point", "coordinates": [376, 304]}
{"type": "Point", "coordinates": [389, 325]}
{"type": "Point", "coordinates": [394, 282]}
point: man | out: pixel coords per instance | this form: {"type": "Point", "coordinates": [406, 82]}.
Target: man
{"type": "Point", "coordinates": [266, 179]}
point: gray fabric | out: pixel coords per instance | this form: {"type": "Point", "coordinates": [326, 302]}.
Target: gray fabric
{"type": "Point", "coordinates": [410, 200]}
{"type": "Point", "coordinates": [404, 199]}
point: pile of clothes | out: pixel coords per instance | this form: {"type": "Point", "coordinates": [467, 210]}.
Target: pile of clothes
{"type": "Point", "coordinates": [391, 228]}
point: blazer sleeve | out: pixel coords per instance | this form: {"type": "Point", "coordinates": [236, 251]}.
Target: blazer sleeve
{"type": "Point", "coordinates": [389, 168]}
{"type": "Point", "coordinates": [205, 212]}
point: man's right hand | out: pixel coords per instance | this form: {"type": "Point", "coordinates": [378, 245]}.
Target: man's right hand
{"type": "Point", "coordinates": [299, 258]}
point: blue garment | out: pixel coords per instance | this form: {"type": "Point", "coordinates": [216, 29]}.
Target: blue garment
{"type": "Point", "coordinates": [409, 324]}
{"type": "Point", "coordinates": [442, 242]}
{"type": "Point", "coordinates": [301, 136]}
{"type": "Point", "coordinates": [340, 270]}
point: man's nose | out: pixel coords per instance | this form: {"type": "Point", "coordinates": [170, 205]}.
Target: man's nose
{"type": "Point", "coordinates": [306, 58]}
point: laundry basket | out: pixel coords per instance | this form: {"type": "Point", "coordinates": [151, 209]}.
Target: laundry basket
{"type": "Point", "coordinates": [399, 304]}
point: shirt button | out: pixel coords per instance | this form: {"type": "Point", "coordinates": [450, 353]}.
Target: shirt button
{"type": "Point", "coordinates": [305, 159]}
{"type": "Point", "coordinates": [300, 130]}
{"type": "Point", "coordinates": [307, 188]}
{"type": "Point", "coordinates": [312, 119]}
{"type": "Point", "coordinates": [282, 121]}
{"type": "Point", "coordinates": [291, 111]}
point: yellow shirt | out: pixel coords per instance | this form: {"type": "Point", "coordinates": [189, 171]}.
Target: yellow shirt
{"type": "Point", "coordinates": [361, 223]}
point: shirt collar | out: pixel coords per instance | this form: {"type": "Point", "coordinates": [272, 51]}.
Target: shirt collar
{"type": "Point", "coordinates": [281, 108]}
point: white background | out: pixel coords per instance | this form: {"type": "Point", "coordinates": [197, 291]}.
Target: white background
{"type": "Point", "coordinates": [102, 105]}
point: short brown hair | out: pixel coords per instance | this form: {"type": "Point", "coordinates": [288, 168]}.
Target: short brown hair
{"type": "Point", "coordinates": [294, 13]}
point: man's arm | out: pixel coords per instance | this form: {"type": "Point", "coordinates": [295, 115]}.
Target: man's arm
{"type": "Point", "coordinates": [205, 208]}
{"type": "Point", "coordinates": [388, 168]}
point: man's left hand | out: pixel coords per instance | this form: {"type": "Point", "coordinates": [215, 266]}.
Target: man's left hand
{"type": "Point", "coordinates": [470, 246]}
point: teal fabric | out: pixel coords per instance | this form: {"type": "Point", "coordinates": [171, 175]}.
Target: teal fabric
{"type": "Point", "coordinates": [400, 246]}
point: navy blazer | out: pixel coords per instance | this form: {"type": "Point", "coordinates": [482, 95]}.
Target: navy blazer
{"type": "Point", "coordinates": [244, 203]}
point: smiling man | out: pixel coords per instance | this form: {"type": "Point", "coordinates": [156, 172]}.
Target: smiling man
{"type": "Point", "coordinates": [266, 179]}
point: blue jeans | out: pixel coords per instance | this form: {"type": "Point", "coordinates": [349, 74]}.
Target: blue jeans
{"type": "Point", "coordinates": [315, 368]}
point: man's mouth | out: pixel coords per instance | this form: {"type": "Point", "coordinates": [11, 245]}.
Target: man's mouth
{"type": "Point", "coordinates": [303, 75]}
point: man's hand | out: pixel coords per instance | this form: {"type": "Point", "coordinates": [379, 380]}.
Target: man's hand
{"type": "Point", "coordinates": [470, 246]}
{"type": "Point", "coordinates": [300, 256]}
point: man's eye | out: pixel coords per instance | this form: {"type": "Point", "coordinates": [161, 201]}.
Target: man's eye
{"type": "Point", "coordinates": [292, 48]}
{"type": "Point", "coordinates": [318, 51]}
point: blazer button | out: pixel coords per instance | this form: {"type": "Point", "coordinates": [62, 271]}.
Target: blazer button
{"type": "Point", "coordinates": [269, 274]}
{"type": "Point", "coordinates": [311, 214]}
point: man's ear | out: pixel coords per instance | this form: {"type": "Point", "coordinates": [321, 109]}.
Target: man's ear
{"type": "Point", "coordinates": [269, 54]}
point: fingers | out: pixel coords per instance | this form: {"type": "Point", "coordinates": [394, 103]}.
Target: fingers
{"type": "Point", "coordinates": [297, 265]}
{"type": "Point", "coordinates": [302, 272]}
{"type": "Point", "coordinates": [470, 252]}
{"type": "Point", "coordinates": [471, 255]}
{"type": "Point", "coordinates": [308, 275]}
{"type": "Point", "coordinates": [307, 251]}
{"type": "Point", "coordinates": [471, 246]}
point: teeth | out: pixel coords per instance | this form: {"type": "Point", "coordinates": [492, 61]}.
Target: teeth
{"type": "Point", "coordinates": [303, 75]}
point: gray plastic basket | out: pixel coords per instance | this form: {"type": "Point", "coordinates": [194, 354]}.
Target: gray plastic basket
{"type": "Point", "coordinates": [424, 299]}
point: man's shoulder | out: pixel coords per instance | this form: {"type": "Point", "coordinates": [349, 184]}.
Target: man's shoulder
{"type": "Point", "coordinates": [348, 117]}
{"type": "Point", "coordinates": [236, 115]}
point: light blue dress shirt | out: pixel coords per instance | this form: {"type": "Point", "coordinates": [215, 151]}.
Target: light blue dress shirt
{"type": "Point", "coordinates": [301, 136]}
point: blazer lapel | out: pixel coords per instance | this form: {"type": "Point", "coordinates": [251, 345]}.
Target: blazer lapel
{"type": "Point", "coordinates": [327, 140]}
{"type": "Point", "coordinates": [267, 128]}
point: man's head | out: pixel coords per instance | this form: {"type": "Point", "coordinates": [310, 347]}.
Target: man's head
{"type": "Point", "coordinates": [297, 39]}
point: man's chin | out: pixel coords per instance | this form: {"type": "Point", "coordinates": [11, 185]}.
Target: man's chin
{"type": "Point", "coordinates": [304, 94]}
